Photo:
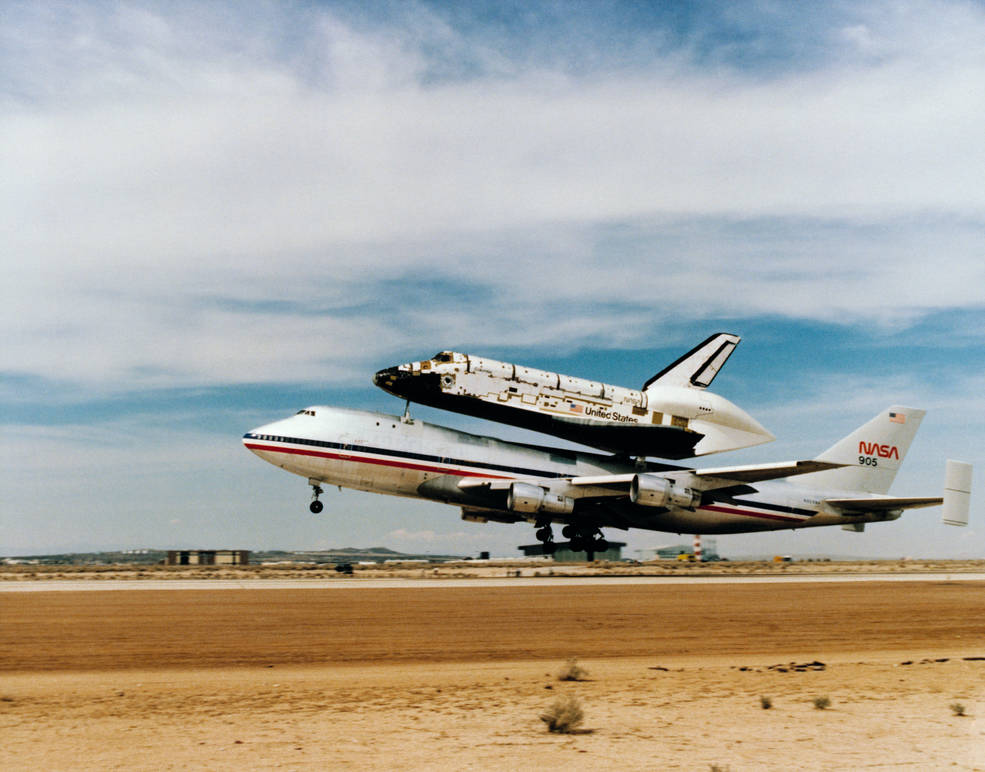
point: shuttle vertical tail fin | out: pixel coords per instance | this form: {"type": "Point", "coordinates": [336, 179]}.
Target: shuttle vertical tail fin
{"type": "Point", "coordinates": [699, 366]}
{"type": "Point", "coordinates": [873, 453]}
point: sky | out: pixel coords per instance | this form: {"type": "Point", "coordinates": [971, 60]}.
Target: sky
{"type": "Point", "coordinates": [214, 214]}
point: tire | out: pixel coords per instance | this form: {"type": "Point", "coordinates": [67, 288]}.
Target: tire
{"type": "Point", "coordinates": [316, 507]}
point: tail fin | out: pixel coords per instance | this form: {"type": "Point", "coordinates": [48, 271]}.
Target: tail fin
{"type": "Point", "coordinates": [873, 453]}
{"type": "Point", "coordinates": [699, 366]}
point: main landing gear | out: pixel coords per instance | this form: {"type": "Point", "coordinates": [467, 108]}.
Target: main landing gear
{"type": "Point", "coordinates": [581, 538]}
{"type": "Point", "coordinates": [545, 535]}
{"type": "Point", "coordinates": [585, 539]}
{"type": "Point", "coordinates": [315, 506]}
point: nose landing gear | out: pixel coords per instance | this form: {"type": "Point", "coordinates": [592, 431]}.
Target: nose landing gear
{"type": "Point", "coordinates": [315, 506]}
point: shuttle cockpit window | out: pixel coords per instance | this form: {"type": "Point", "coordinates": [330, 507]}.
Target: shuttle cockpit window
{"type": "Point", "coordinates": [443, 356]}
{"type": "Point", "coordinates": [306, 412]}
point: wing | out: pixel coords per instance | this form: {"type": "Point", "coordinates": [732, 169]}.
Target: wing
{"type": "Point", "coordinates": [728, 476]}
{"type": "Point", "coordinates": [618, 485]}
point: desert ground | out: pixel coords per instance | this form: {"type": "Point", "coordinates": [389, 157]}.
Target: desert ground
{"type": "Point", "coordinates": [458, 677]}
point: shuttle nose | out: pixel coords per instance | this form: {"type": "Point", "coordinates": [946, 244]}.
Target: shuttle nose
{"type": "Point", "coordinates": [387, 379]}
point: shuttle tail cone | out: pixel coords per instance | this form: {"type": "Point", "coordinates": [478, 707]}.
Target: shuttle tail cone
{"type": "Point", "coordinates": [957, 493]}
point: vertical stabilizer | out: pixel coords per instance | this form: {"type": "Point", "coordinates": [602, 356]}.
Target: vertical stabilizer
{"type": "Point", "coordinates": [873, 453]}
{"type": "Point", "coordinates": [699, 366]}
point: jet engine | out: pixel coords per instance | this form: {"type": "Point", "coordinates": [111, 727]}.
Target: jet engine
{"type": "Point", "coordinates": [532, 499]}
{"type": "Point", "coordinates": [648, 490]}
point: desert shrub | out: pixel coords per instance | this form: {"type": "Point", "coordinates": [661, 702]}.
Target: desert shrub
{"type": "Point", "coordinates": [822, 702]}
{"type": "Point", "coordinates": [564, 715]}
{"type": "Point", "coordinates": [572, 671]}
{"type": "Point", "coordinates": [766, 702]}
{"type": "Point", "coordinates": [957, 708]}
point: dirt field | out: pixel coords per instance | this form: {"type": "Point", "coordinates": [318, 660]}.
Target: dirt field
{"type": "Point", "coordinates": [456, 678]}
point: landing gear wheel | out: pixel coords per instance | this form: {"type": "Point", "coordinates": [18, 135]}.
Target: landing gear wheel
{"type": "Point", "coordinates": [544, 534]}
{"type": "Point", "coordinates": [577, 545]}
{"type": "Point", "coordinates": [601, 545]}
{"type": "Point", "coordinates": [569, 532]}
{"type": "Point", "coordinates": [315, 506]}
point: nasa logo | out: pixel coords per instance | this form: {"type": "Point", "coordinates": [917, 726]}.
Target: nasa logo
{"type": "Point", "coordinates": [874, 449]}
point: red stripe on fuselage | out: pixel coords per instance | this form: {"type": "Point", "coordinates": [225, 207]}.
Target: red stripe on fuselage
{"type": "Point", "coordinates": [375, 461]}
{"type": "Point", "coordinates": [747, 513]}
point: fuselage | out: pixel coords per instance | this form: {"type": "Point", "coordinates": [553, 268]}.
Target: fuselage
{"type": "Point", "coordinates": [386, 454]}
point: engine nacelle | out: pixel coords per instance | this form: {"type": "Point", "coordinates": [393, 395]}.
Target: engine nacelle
{"type": "Point", "coordinates": [648, 490]}
{"type": "Point", "coordinates": [532, 499]}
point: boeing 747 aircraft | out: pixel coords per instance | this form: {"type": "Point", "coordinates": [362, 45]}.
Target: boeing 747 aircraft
{"type": "Point", "coordinates": [491, 479]}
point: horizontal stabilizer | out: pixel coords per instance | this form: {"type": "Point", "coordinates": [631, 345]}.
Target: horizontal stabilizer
{"type": "Point", "coordinates": [957, 493]}
{"type": "Point", "coordinates": [699, 366]}
{"type": "Point", "coordinates": [884, 503]}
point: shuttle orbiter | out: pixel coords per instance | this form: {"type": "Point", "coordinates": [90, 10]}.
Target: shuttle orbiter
{"type": "Point", "coordinates": [672, 416]}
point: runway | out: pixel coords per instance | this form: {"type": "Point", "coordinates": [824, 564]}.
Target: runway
{"type": "Point", "coordinates": [82, 585]}
{"type": "Point", "coordinates": [481, 621]}
{"type": "Point", "coordinates": [429, 674]}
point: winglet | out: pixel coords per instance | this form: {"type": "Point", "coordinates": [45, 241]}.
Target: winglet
{"type": "Point", "coordinates": [699, 366]}
{"type": "Point", "coordinates": [957, 492]}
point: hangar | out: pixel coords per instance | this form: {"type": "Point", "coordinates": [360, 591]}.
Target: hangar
{"type": "Point", "coordinates": [208, 557]}
{"type": "Point", "coordinates": [564, 554]}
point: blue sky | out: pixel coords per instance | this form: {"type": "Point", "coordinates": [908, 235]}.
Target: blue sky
{"type": "Point", "coordinates": [214, 214]}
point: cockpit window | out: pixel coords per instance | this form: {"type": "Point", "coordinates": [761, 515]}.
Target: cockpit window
{"type": "Point", "coordinates": [443, 356]}
{"type": "Point", "coordinates": [306, 412]}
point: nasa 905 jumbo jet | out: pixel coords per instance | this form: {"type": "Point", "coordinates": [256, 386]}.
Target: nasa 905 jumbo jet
{"type": "Point", "coordinates": [494, 480]}
{"type": "Point", "coordinates": [672, 416]}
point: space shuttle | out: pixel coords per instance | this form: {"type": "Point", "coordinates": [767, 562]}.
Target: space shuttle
{"type": "Point", "coordinates": [672, 416]}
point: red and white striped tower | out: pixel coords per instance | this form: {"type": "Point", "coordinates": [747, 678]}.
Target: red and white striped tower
{"type": "Point", "coordinates": [697, 547]}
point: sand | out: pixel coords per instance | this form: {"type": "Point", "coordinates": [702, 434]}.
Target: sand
{"type": "Point", "coordinates": [456, 678]}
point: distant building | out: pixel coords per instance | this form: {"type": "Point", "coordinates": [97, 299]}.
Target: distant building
{"type": "Point", "coordinates": [564, 554]}
{"type": "Point", "coordinates": [709, 551]}
{"type": "Point", "coordinates": [208, 557]}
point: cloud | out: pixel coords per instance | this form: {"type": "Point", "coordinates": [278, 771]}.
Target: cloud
{"type": "Point", "coordinates": [163, 162]}
{"type": "Point", "coordinates": [215, 199]}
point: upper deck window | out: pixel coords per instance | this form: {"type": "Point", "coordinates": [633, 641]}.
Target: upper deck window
{"type": "Point", "coordinates": [306, 412]}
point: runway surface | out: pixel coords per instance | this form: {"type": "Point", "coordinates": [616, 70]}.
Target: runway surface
{"type": "Point", "coordinates": [80, 585]}
{"type": "Point", "coordinates": [441, 622]}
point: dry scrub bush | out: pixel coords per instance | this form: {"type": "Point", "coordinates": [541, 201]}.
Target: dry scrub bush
{"type": "Point", "coordinates": [766, 702]}
{"type": "Point", "coordinates": [957, 708]}
{"type": "Point", "coordinates": [822, 702]}
{"type": "Point", "coordinates": [572, 671]}
{"type": "Point", "coordinates": [564, 715]}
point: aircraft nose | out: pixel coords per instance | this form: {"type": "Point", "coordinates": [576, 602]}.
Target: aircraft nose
{"type": "Point", "coordinates": [386, 378]}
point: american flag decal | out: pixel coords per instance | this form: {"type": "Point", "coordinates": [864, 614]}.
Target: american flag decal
{"type": "Point", "coordinates": [897, 418]}
{"type": "Point", "coordinates": [575, 408]}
